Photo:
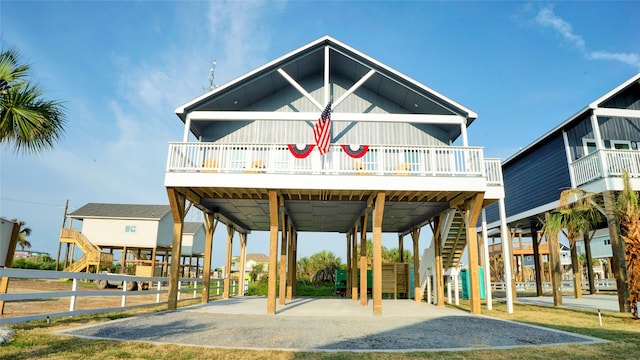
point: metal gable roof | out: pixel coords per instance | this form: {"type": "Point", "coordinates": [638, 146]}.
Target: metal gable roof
{"type": "Point", "coordinates": [308, 60]}
{"type": "Point", "coordinates": [584, 111]}
{"type": "Point", "coordinates": [121, 211]}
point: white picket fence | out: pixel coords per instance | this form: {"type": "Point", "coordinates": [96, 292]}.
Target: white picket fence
{"type": "Point", "coordinates": [567, 285]}
{"type": "Point", "coordinates": [187, 288]}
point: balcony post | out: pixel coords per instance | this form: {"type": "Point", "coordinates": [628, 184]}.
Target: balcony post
{"type": "Point", "coordinates": [604, 167]}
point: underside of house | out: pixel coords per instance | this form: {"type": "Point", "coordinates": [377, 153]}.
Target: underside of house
{"type": "Point", "coordinates": [390, 165]}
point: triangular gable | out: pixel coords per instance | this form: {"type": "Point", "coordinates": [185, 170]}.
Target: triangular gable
{"type": "Point", "coordinates": [395, 92]}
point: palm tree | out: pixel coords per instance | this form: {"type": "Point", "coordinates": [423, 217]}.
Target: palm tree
{"type": "Point", "coordinates": [574, 216]}
{"type": "Point", "coordinates": [27, 121]}
{"type": "Point", "coordinates": [628, 211]}
{"type": "Point", "coordinates": [22, 235]}
{"type": "Point", "coordinates": [324, 265]}
{"type": "Point", "coordinates": [304, 268]}
{"type": "Point", "coordinates": [257, 271]}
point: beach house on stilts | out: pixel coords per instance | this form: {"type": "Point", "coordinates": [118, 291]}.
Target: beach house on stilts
{"type": "Point", "coordinates": [327, 139]}
{"type": "Point", "coordinates": [589, 151]}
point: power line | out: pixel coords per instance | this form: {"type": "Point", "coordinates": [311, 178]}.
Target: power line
{"type": "Point", "coordinates": [32, 202]}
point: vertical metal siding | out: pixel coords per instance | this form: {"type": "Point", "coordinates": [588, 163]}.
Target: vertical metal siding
{"type": "Point", "coordinates": [301, 132]}
{"type": "Point", "coordinates": [581, 130]}
{"type": "Point", "coordinates": [616, 128]}
{"type": "Point", "coordinates": [535, 179]}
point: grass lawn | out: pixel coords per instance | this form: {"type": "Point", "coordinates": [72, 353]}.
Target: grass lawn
{"type": "Point", "coordinates": [34, 340]}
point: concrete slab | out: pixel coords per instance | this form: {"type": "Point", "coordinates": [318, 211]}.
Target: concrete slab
{"type": "Point", "coordinates": [312, 324]}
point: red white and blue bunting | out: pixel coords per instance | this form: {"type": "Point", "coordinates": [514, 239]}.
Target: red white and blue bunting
{"type": "Point", "coordinates": [300, 153]}
{"type": "Point", "coordinates": [355, 152]}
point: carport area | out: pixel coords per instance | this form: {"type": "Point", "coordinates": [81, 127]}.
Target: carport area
{"type": "Point", "coordinates": [313, 324]}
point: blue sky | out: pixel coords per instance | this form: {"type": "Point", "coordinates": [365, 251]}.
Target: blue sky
{"type": "Point", "coordinates": [123, 67]}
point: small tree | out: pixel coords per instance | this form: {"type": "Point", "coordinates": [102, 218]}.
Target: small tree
{"type": "Point", "coordinates": [576, 214]}
{"type": "Point", "coordinates": [324, 265]}
{"type": "Point", "coordinates": [257, 271]}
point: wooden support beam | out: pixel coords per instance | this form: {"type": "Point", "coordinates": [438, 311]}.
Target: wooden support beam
{"type": "Point", "coordinates": [210, 223]}
{"type": "Point", "coordinates": [294, 272]}
{"type": "Point", "coordinates": [378, 212]}
{"type": "Point", "coordinates": [536, 259]}
{"type": "Point", "coordinates": [354, 264]}
{"type": "Point", "coordinates": [348, 273]}
{"type": "Point", "coordinates": [283, 260]}
{"type": "Point", "coordinates": [243, 259]}
{"type": "Point", "coordinates": [437, 264]}
{"type": "Point", "coordinates": [400, 248]}
{"type": "Point", "coordinates": [177, 202]}
{"type": "Point", "coordinates": [227, 262]}
{"type": "Point", "coordinates": [291, 263]}
{"type": "Point", "coordinates": [486, 259]}
{"type": "Point", "coordinates": [472, 210]}
{"type": "Point", "coordinates": [273, 251]}
{"type": "Point", "coordinates": [417, 290]}
{"type": "Point", "coordinates": [363, 259]}
{"type": "Point", "coordinates": [11, 250]}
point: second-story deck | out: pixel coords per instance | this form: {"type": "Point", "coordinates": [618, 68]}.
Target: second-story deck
{"type": "Point", "coordinates": [605, 164]}
{"type": "Point", "coordinates": [442, 161]}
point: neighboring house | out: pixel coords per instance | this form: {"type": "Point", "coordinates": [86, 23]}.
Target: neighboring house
{"type": "Point", "coordinates": [588, 151]}
{"type": "Point", "coordinates": [23, 254]}
{"type": "Point", "coordinates": [393, 157]}
{"type": "Point", "coordinates": [142, 232]}
{"type": "Point", "coordinates": [251, 261]}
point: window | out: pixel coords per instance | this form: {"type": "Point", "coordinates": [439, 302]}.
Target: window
{"type": "Point", "coordinates": [589, 146]}
{"type": "Point", "coordinates": [130, 228]}
{"type": "Point", "coordinates": [607, 241]}
{"type": "Point", "coordinates": [621, 144]}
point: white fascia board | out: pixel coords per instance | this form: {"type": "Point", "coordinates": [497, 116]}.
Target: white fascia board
{"type": "Point", "coordinates": [617, 112]}
{"type": "Point", "coordinates": [327, 182]}
{"type": "Point", "coordinates": [307, 116]}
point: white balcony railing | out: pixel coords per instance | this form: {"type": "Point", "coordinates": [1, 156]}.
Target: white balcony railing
{"type": "Point", "coordinates": [604, 164]}
{"type": "Point", "coordinates": [493, 171]}
{"type": "Point", "coordinates": [378, 160]}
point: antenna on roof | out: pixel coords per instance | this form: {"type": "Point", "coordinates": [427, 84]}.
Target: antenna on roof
{"type": "Point", "coordinates": [212, 76]}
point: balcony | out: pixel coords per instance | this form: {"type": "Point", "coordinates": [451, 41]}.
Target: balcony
{"type": "Point", "coordinates": [445, 161]}
{"type": "Point", "coordinates": [605, 164]}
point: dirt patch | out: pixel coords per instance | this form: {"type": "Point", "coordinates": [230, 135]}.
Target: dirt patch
{"type": "Point", "coordinates": [62, 304]}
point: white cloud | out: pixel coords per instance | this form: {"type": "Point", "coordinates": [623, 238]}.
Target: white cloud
{"type": "Point", "coordinates": [547, 18]}
{"type": "Point", "coordinates": [632, 59]}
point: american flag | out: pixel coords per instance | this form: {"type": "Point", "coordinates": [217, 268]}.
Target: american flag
{"type": "Point", "coordinates": [322, 130]}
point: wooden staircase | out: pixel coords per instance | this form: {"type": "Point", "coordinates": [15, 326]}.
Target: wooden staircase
{"type": "Point", "coordinates": [454, 239]}
{"type": "Point", "coordinates": [92, 254]}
